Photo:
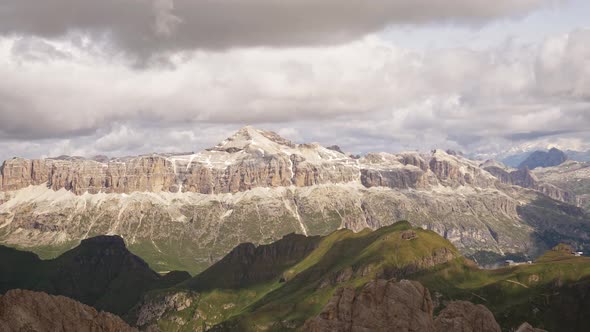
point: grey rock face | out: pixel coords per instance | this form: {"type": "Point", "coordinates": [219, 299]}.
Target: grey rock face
{"type": "Point", "coordinates": [526, 327]}
{"type": "Point", "coordinates": [249, 159]}
{"type": "Point", "coordinates": [22, 310]}
{"type": "Point", "coordinates": [398, 306]}
{"type": "Point", "coordinates": [527, 179]}
{"type": "Point", "coordinates": [380, 306]}
{"type": "Point", "coordinates": [462, 316]}
{"type": "Point", "coordinates": [152, 309]}
{"type": "Point", "coordinates": [571, 176]}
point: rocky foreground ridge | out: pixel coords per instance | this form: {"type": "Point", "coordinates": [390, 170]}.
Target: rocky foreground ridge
{"type": "Point", "coordinates": [388, 305]}
{"type": "Point", "coordinates": [384, 305]}
{"type": "Point", "coordinates": [22, 310]}
{"type": "Point", "coordinates": [187, 211]}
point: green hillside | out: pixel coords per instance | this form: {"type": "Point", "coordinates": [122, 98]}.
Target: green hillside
{"type": "Point", "coordinates": [529, 292]}
{"type": "Point", "coordinates": [302, 289]}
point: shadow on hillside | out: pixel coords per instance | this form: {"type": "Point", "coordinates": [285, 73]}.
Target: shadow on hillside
{"type": "Point", "coordinates": [556, 222]}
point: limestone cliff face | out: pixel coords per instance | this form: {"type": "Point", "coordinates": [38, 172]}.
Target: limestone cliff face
{"type": "Point", "coordinates": [18, 173]}
{"type": "Point", "coordinates": [525, 178]}
{"type": "Point", "coordinates": [404, 178]}
{"type": "Point", "coordinates": [458, 171]}
{"type": "Point", "coordinates": [571, 176]}
{"type": "Point", "coordinates": [249, 159]}
{"type": "Point", "coordinates": [22, 310]}
{"type": "Point", "coordinates": [150, 173]}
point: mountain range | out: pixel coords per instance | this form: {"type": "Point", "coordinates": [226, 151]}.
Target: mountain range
{"type": "Point", "coordinates": [395, 278]}
{"type": "Point", "coordinates": [187, 211]}
{"type": "Point", "coordinates": [553, 157]}
{"type": "Point", "coordinates": [515, 159]}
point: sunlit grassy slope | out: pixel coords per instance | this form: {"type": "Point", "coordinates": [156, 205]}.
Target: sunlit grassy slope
{"type": "Point", "coordinates": [515, 294]}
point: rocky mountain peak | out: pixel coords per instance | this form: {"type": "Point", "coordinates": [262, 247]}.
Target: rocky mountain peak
{"type": "Point", "coordinates": [553, 157]}
{"type": "Point", "coordinates": [256, 139]}
{"type": "Point", "coordinates": [493, 163]}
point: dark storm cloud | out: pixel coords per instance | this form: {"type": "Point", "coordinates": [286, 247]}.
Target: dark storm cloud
{"type": "Point", "coordinates": [146, 27]}
{"type": "Point", "coordinates": [535, 135]}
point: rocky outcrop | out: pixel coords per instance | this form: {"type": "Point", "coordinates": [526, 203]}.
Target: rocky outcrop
{"type": "Point", "coordinates": [553, 157]}
{"type": "Point", "coordinates": [398, 306]}
{"type": "Point", "coordinates": [413, 159]}
{"type": "Point", "coordinates": [380, 306]}
{"type": "Point", "coordinates": [462, 316]}
{"type": "Point", "coordinates": [22, 310]}
{"type": "Point", "coordinates": [18, 173]}
{"type": "Point", "coordinates": [439, 256]}
{"type": "Point", "coordinates": [403, 171]}
{"type": "Point", "coordinates": [402, 178]}
{"type": "Point", "coordinates": [525, 178]}
{"type": "Point", "coordinates": [572, 177]}
{"type": "Point", "coordinates": [149, 173]}
{"type": "Point", "coordinates": [152, 309]}
{"type": "Point", "coordinates": [526, 327]}
{"type": "Point", "coordinates": [457, 171]}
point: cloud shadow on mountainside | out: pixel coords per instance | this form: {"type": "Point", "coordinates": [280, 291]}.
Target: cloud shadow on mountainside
{"type": "Point", "coordinates": [556, 222]}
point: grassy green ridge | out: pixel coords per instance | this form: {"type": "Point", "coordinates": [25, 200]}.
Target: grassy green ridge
{"type": "Point", "coordinates": [519, 293]}
{"type": "Point", "coordinates": [530, 292]}
{"type": "Point", "coordinates": [343, 258]}
{"type": "Point", "coordinates": [302, 289]}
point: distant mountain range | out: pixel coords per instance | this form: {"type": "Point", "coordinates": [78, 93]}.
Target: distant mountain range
{"type": "Point", "coordinates": [187, 211]}
{"type": "Point", "coordinates": [516, 159]}
{"type": "Point", "coordinates": [553, 157]}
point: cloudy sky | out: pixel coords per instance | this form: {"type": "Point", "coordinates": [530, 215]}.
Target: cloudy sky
{"type": "Point", "coordinates": [126, 77]}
